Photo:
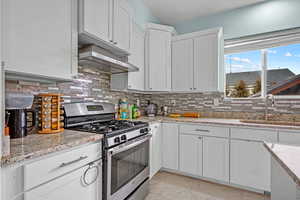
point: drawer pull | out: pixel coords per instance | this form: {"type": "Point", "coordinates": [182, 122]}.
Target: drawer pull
{"type": "Point", "coordinates": [202, 130]}
{"type": "Point", "coordinates": [74, 161]}
{"type": "Point", "coordinates": [200, 138]}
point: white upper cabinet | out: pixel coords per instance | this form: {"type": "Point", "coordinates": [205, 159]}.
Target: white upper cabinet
{"type": "Point", "coordinates": [158, 57]}
{"type": "Point", "coordinates": [106, 23]}
{"type": "Point", "coordinates": [122, 24]}
{"type": "Point", "coordinates": [95, 18]}
{"type": "Point", "coordinates": [197, 61]}
{"type": "Point", "coordinates": [136, 80]}
{"type": "Point", "coordinates": [182, 65]}
{"type": "Point", "coordinates": [40, 38]}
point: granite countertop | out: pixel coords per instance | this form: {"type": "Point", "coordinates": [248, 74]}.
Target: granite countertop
{"type": "Point", "coordinates": [36, 145]}
{"type": "Point", "coordinates": [215, 121]}
{"type": "Point", "coordinates": [288, 157]}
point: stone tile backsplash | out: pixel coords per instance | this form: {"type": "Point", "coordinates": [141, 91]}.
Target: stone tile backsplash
{"type": "Point", "coordinates": [93, 85]}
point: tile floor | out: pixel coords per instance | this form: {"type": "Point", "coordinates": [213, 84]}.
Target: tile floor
{"type": "Point", "coordinates": [167, 186]}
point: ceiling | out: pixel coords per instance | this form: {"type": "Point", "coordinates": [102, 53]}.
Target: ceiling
{"type": "Point", "coordinates": [175, 11]}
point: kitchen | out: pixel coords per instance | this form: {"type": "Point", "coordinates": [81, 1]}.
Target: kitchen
{"type": "Point", "coordinates": [149, 99]}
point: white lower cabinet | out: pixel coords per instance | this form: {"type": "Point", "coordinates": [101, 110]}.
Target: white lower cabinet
{"type": "Point", "coordinates": [289, 137]}
{"type": "Point", "coordinates": [250, 164]}
{"type": "Point", "coordinates": [190, 154]}
{"type": "Point", "coordinates": [216, 158]}
{"type": "Point", "coordinates": [70, 186]}
{"type": "Point", "coordinates": [170, 146]}
{"type": "Point", "coordinates": [155, 149]}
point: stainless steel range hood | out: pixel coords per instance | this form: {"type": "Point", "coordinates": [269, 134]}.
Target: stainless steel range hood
{"type": "Point", "coordinates": [104, 60]}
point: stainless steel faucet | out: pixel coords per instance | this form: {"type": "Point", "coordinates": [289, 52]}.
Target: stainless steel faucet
{"type": "Point", "coordinates": [272, 98]}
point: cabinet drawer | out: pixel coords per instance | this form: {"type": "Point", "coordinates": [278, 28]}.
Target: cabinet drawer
{"type": "Point", "coordinates": [205, 130]}
{"type": "Point", "coordinates": [289, 137]}
{"type": "Point", "coordinates": [254, 134]}
{"type": "Point", "coordinates": [46, 169]}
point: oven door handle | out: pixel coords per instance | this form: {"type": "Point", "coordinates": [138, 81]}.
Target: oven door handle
{"type": "Point", "coordinates": [116, 150]}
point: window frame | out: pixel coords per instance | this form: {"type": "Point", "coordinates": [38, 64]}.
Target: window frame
{"type": "Point", "coordinates": [261, 42]}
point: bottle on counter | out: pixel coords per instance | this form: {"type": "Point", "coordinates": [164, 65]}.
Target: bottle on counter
{"type": "Point", "coordinates": [6, 137]}
{"type": "Point", "coordinates": [123, 109]}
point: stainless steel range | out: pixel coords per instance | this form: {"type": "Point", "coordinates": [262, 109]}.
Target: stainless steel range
{"type": "Point", "coordinates": [125, 148]}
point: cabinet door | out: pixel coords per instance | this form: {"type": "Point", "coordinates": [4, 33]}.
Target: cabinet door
{"type": "Point", "coordinates": [155, 149]}
{"type": "Point", "coordinates": [158, 60]}
{"type": "Point", "coordinates": [250, 164]}
{"type": "Point", "coordinates": [170, 146]}
{"type": "Point", "coordinates": [70, 186]}
{"type": "Point", "coordinates": [95, 16]}
{"type": "Point", "coordinates": [136, 80]}
{"type": "Point", "coordinates": [182, 65]}
{"type": "Point", "coordinates": [190, 155]}
{"type": "Point", "coordinates": [216, 158]}
{"type": "Point", "coordinates": [39, 38]}
{"type": "Point", "coordinates": [206, 55]}
{"type": "Point", "coordinates": [122, 24]}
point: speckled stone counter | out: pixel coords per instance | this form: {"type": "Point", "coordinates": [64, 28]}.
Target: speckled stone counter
{"type": "Point", "coordinates": [288, 157]}
{"type": "Point", "coordinates": [215, 121]}
{"type": "Point", "coordinates": [36, 145]}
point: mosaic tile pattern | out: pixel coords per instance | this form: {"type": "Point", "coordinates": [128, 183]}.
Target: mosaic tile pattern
{"type": "Point", "coordinates": [93, 85]}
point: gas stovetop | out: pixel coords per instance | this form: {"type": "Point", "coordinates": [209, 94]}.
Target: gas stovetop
{"type": "Point", "coordinates": [113, 127]}
{"type": "Point", "coordinates": [99, 118]}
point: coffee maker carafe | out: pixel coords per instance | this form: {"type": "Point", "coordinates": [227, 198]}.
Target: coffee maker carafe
{"type": "Point", "coordinates": [20, 122]}
{"type": "Point", "coordinates": [21, 116]}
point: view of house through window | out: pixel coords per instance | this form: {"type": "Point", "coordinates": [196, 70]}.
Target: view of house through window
{"type": "Point", "coordinates": [244, 70]}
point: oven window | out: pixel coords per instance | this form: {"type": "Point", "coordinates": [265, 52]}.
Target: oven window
{"type": "Point", "coordinates": [128, 164]}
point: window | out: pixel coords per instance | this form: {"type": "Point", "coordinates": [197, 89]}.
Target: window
{"type": "Point", "coordinates": [265, 64]}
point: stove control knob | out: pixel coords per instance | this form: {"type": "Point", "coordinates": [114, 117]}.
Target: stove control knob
{"type": "Point", "coordinates": [117, 140]}
{"type": "Point", "coordinates": [123, 137]}
{"type": "Point", "coordinates": [144, 131]}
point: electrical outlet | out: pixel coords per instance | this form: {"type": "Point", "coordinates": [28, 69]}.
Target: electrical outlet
{"type": "Point", "coordinates": [173, 102]}
{"type": "Point", "coordinates": [216, 102]}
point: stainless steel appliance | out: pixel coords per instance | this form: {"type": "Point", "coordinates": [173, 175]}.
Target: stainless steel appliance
{"type": "Point", "coordinates": [125, 148]}
{"type": "Point", "coordinates": [104, 60]}
{"type": "Point", "coordinates": [151, 109]}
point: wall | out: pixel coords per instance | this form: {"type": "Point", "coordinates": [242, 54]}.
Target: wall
{"type": "Point", "coordinates": [269, 16]}
{"type": "Point", "coordinates": [287, 109]}
{"type": "Point", "coordinates": [142, 14]}
{"type": "Point", "coordinates": [90, 85]}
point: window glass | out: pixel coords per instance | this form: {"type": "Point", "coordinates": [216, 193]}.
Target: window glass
{"type": "Point", "coordinates": [283, 70]}
{"type": "Point", "coordinates": [243, 74]}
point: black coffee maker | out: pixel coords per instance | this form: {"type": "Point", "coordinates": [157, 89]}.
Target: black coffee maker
{"type": "Point", "coordinates": [20, 122]}
{"type": "Point", "coordinates": [21, 117]}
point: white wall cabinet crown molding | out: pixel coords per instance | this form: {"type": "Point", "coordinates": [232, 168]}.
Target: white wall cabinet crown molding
{"type": "Point", "coordinates": [38, 43]}
{"type": "Point", "coordinates": [106, 23]}
{"type": "Point", "coordinates": [198, 61]}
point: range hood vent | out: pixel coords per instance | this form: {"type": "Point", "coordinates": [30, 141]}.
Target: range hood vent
{"type": "Point", "coordinates": [97, 57]}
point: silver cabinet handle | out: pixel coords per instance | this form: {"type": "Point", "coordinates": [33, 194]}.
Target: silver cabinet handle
{"type": "Point", "coordinates": [202, 130]}
{"type": "Point", "coordinates": [74, 161]}
{"type": "Point", "coordinates": [91, 166]}
{"type": "Point", "coordinates": [111, 41]}
{"type": "Point", "coordinates": [200, 138]}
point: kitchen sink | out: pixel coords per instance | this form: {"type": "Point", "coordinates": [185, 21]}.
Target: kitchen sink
{"type": "Point", "coordinates": [271, 122]}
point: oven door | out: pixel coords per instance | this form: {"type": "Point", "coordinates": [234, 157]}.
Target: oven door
{"type": "Point", "coordinates": [127, 168]}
